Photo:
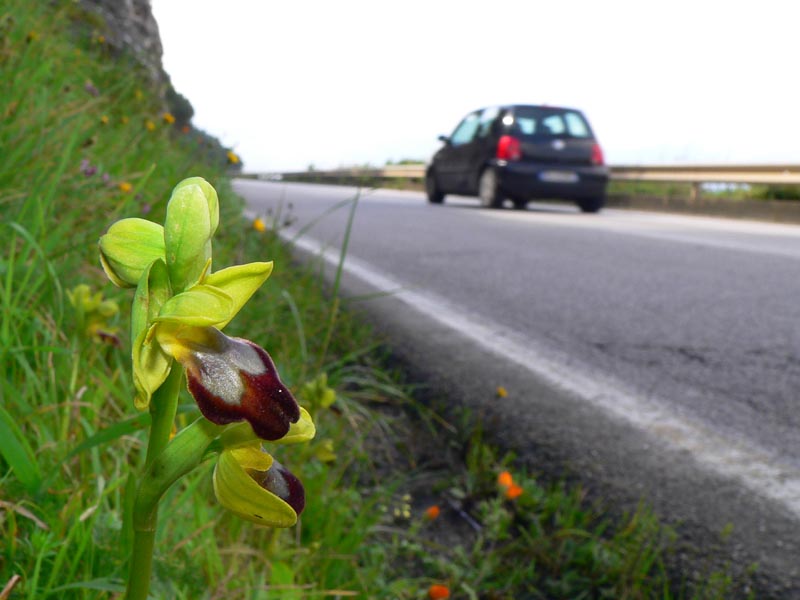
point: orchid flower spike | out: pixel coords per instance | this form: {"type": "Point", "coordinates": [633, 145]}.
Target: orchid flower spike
{"type": "Point", "coordinates": [180, 308]}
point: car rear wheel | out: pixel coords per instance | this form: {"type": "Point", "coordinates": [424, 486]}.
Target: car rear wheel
{"type": "Point", "coordinates": [591, 205]}
{"type": "Point", "coordinates": [489, 190]}
{"type": "Point", "coordinates": [435, 195]}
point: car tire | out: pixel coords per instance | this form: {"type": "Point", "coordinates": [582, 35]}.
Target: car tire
{"type": "Point", "coordinates": [591, 205]}
{"type": "Point", "coordinates": [489, 190]}
{"type": "Point", "coordinates": [434, 193]}
{"type": "Point", "coordinates": [519, 203]}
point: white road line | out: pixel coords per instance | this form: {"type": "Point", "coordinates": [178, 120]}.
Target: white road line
{"type": "Point", "coordinates": [731, 458]}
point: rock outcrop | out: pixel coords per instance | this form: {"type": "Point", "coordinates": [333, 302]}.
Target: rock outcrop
{"type": "Point", "coordinates": [130, 26]}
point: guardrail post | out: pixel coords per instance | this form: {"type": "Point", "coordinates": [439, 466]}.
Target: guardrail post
{"type": "Point", "coordinates": [697, 189]}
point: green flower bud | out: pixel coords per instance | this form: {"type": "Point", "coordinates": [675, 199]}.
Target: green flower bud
{"type": "Point", "coordinates": [211, 196]}
{"type": "Point", "coordinates": [128, 248]}
{"type": "Point", "coordinates": [187, 234]}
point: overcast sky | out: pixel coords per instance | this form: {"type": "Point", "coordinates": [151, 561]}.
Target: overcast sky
{"type": "Point", "coordinates": [345, 82]}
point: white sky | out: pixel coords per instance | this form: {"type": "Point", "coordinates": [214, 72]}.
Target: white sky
{"type": "Point", "coordinates": [344, 82]}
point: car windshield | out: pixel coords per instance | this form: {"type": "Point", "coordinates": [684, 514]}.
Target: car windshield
{"type": "Point", "coordinates": [542, 121]}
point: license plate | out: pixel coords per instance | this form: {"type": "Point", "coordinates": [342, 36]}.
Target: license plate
{"type": "Point", "coordinates": [558, 177]}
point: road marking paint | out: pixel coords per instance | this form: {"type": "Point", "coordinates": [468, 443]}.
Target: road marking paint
{"type": "Point", "coordinates": [752, 466]}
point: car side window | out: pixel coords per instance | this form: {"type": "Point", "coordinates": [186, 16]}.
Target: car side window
{"type": "Point", "coordinates": [466, 130]}
{"type": "Point", "coordinates": [488, 117]}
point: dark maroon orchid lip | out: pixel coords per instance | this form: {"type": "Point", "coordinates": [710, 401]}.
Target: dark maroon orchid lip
{"type": "Point", "coordinates": [282, 482]}
{"type": "Point", "coordinates": [238, 381]}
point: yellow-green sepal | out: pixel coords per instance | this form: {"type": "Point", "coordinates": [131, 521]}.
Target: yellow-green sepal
{"type": "Point", "coordinates": [237, 491]}
{"type": "Point", "coordinates": [241, 434]}
{"type": "Point", "coordinates": [200, 306]}
{"type": "Point", "coordinates": [151, 294]}
{"type": "Point", "coordinates": [240, 283]}
{"type": "Point", "coordinates": [128, 248]}
{"type": "Point", "coordinates": [151, 366]}
{"type": "Point", "coordinates": [302, 431]}
{"type": "Point", "coordinates": [187, 235]}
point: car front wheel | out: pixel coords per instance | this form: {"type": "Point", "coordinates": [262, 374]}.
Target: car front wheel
{"type": "Point", "coordinates": [489, 190]}
{"type": "Point", "coordinates": [434, 193]}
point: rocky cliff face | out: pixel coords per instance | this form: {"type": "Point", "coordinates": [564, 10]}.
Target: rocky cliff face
{"type": "Point", "coordinates": [130, 26]}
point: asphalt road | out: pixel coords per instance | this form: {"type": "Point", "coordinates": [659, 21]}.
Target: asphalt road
{"type": "Point", "coordinates": [657, 355]}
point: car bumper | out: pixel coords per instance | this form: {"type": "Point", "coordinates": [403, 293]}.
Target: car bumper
{"type": "Point", "coordinates": [569, 182]}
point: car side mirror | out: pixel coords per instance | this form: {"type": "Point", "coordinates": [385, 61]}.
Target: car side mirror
{"type": "Point", "coordinates": [445, 139]}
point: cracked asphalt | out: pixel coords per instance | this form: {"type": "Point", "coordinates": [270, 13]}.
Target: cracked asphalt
{"type": "Point", "coordinates": [693, 322]}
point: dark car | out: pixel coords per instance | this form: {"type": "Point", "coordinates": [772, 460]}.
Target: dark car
{"type": "Point", "coordinates": [520, 152]}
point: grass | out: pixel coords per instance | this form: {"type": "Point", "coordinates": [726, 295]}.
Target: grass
{"type": "Point", "coordinates": [84, 142]}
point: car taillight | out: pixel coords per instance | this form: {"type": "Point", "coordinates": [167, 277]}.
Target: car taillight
{"type": "Point", "coordinates": [597, 155]}
{"type": "Point", "coordinates": [508, 148]}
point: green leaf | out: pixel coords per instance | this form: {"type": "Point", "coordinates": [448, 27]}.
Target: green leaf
{"type": "Point", "coordinates": [17, 453]}
{"type": "Point", "coordinates": [114, 432]}
{"type": "Point", "coordinates": [282, 578]}
{"type": "Point", "coordinates": [201, 306]}
{"type": "Point", "coordinates": [240, 283]}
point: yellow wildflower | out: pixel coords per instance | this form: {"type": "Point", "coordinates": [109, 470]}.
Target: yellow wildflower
{"type": "Point", "coordinates": [233, 158]}
{"type": "Point", "coordinates": [104, 119]}
{"type": "Point", "coordinates": [168, 118]}
{"type": "Point", "coordinates": [149, 125]}
{"type": "Point", "coordinates": [259, 225]}
{"type": "Point", "coordinates": [501, 391]}
{"type": "Point", "coordinates": [125, 187]}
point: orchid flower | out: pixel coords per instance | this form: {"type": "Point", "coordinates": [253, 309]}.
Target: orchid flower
{"type": "Point", "coordinates": [180, 308]}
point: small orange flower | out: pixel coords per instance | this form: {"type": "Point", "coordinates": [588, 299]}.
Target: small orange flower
{"type": "Point", "coordinates": [168, 118]}
{"type": "Point", "coordinates": [505, 480]}
{"type": "Point", "coordinates": [438, 592]}
{"type": "Point", "coordinates": [432, 512]}
{"type": "Point", "coordinates": [186, 129]}
{"type": "Point", "coordinates": [259, 225]}
{"type": "Point", "coordinates": [501, 392]}
{"type": "Point", "coordinates": [513, 491]}
{"type": "Point", "coordinates": [149, 125]}
{"type": "Point", "coordinates": [125, 187]}
{"type": "Point", "coordinates": [104, 119]}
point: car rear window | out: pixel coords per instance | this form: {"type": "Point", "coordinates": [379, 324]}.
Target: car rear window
{"type": "Point", "coordinates": [548, 122]}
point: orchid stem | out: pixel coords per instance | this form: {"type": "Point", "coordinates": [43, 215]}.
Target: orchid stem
{"type": "Point", "coordinates": [177, 458]}
{"type": "Point", "coordinates": [163, 407]}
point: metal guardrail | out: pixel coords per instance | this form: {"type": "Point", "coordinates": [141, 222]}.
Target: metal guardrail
{"type": "Point", "coordinates": [776, 174]}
